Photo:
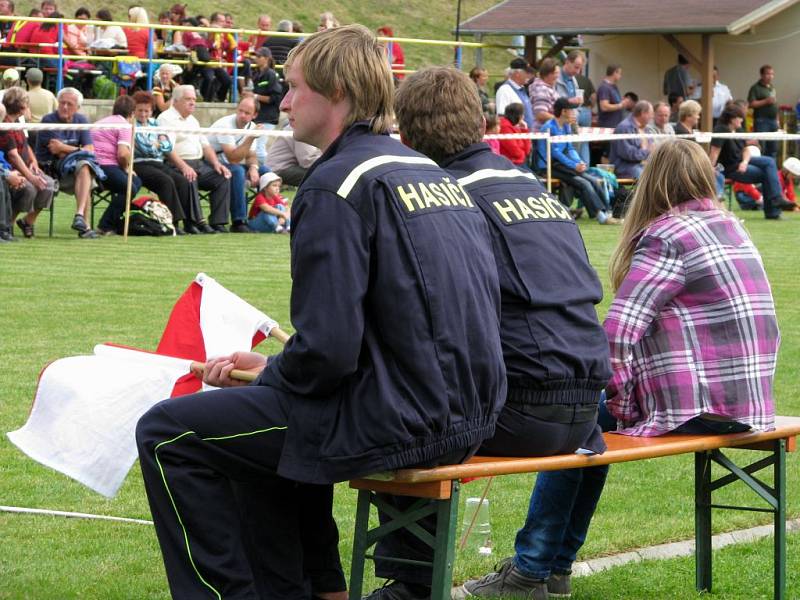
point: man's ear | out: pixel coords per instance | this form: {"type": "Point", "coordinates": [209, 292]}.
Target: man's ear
{"type": "Point", "coordinates": [483, 125]}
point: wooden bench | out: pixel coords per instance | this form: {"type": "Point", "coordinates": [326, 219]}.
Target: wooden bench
{"type": "Point", "coordinates": [441, 485]}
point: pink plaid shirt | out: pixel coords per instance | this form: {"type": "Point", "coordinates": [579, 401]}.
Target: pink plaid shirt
{"type": "Point", "coordinates": [692, 329]}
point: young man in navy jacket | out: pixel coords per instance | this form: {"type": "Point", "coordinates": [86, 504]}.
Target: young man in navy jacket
{"type": "Point", "coordinates": [396, 360]}
{"type": "Point", "coordinates": [555, 350]}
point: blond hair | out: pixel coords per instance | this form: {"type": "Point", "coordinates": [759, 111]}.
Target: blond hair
{"type": "Point", "coordinates": [678, 170]}
{"type": "Point", "coordinates": [689, 108]}
{"type": "Point", "coordinates": [138, 14]}
{"type": "Point", "coordinates": [439, 112]}
{"type": "Point", "coordinates": [349, 62]}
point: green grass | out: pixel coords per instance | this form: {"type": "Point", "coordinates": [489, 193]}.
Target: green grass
{"type": "Point", "coordinates": [61, 296]}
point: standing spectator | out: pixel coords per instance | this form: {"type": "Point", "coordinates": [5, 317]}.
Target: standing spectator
{"type": "Point", "coordinates": [674, 101]}
{"type": "Point", "coordinates": [394, 52]}
{"type": "Point", "coordinates": [628, 154]}
{"type": "Point", "coordinates": [693, 316]}
{"type": "Point", "coordinates": [722, 95]}
{"type": "Point", "coordinates": [193, 156]}
{"type": "Point", "coordinates": [660, 124]}
{"type": "Point", "coordinates": [137, 37]}
{"type": "Point", "coordinates": [740, 165]}
{"type": "Point", "coordinates": [67, 155]}
{"type": "Point", "coordinates": [164, 87]}
{"type": "Point", "coordinates": [543, 92]}
{"type": "Point", "coordinates": [567, 86]}
{"type": "Point", "coordinates": [480, 76]}
{"type": "Point", "coordinates": [268, 91]}
{"type": "Point", "coordinates": [516, 149]}
{"type": "Point", "coordinates": [113, 150]}
{"type": "Point", "coordinates": [150, 149]}
{"type": "Point", "coordinates": [291, 159]}
{"type": "Point", "coordinates": [281, 46]}
{"type": "Point", "coordinates": [239, 156]}
{"type": "Point", "coordinates": [264, 24]}
{"type": "Point", "coordinates": [763, 101]}
{"type": "Point", "coordinates": [513, 91]}
{"type": "Point", "coordinates": [610, 104]}
{"type": "Point", "coordinates": [677, 80]}
{"type": "Point", "coordinates": [36, 191]}
{"type": "Point", "coordinates": [41, 101]}
{"type": "Point", "coordinates": [567, 165]}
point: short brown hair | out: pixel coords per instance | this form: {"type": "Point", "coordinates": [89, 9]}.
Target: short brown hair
{"type": "Point", "coordinates": [15, 100]}
{"type": "Point", "coordinates": [439, 112]}
{"type": "Point", "coordinates": [123, 106]}
{"type": "Point", "coordinates": [349, 62]}
{"type": "Point", "coordinates": [575, 55]}
{"type": "Point", "coordinates": [547, 66]}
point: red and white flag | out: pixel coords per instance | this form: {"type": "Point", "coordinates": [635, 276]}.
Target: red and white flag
{"type": "Point", "coordinates": [86, 407]}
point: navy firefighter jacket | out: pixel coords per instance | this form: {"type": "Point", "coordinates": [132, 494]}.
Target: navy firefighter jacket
{"type": "Point", "coordinates": [554, 347]}
{"type": "Point", "coordinates": [396, 359]}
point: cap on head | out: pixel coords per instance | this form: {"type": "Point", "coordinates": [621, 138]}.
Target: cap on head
{"type": "Point", "coordinates": [266, 179]}
{"type": "Point", "coordinates": [264, 51]}
{"type": "Point", "coordinates": [11, 75]}
{"type": "Point", "coordinates": [792, 164]}
{"type": "Point", "coordinates": [519, 63]}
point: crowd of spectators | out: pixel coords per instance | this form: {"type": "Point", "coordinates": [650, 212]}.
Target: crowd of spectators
{"type": "Point", "coordinates": [558, 99]}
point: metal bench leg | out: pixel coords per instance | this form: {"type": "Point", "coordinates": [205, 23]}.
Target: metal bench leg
{"type": "Point", "coordinates": [360, 544]}
{"type": "Point", "coordinates": [780, 520]}
{"type": "Point", "coordinates": [702, 521]}
{"type": "Point", "coordinates": [444, 550]}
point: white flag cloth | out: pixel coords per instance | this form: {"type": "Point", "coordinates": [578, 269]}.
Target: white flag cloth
{"type": "Point", "coordinates": [86, 407]}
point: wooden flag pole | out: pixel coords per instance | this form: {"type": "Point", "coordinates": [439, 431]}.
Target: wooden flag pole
{"type": "Point", "coordinates": [276, 332]}
{"type": "Point", "coordinates": [130, 181]}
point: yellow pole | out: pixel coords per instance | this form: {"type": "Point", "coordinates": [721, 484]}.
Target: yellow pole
{"type": "Point", "coordinates": [130, 181]}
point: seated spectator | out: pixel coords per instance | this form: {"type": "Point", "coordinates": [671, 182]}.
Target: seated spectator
{"type": "Point", "coordinates": [137, 37]}
{"type": "Point", "coordinates": [168, 38]}
{"type": "Point", "coordinates": [150, 150]}
{"type": "Point", "coordinates": [44, 40]}
{"type": "Point", "coordinates": [193, 156]}
{"type": "Point", "coordinates": [19, 38]}
{"type": "Point", "coordinates": [41, 101]}
{"type": "Point", "coordinates": [35, 193]}
{"type": "Point", "coordinates": [75, 35]}
{"type": "Point", "coordinates": [10, 80]}
{"type": "Point", "coordinates": [394, 52]}
{"type": "Point", "coordinates": [674, 101]}
{"type": "Point", "coordinates": [270, 211]}
{"type": "Point", "coordinates": [164, 87]}
{"type": "Point", "coordinates": [327, 21]}
{"type": "Point", "coordinates": [257, 40]}
{"type": "Point", "coordinates": [610, 104]}
{"type": "Point", "coordinates": [238, 154]}
{"type": "Point", "coordinates": [660, 124]}
{"type": "Point", "coordinates": [112, 148]}
{"type": "Point", "coordinates": [543, 92]}
{"type": "Point", "coordinates": [68, 155]}
{"type": "Point", "coordinates": [9, 180]}
{"type": "Point", "coordinates": [281, 46]}
{"type": "Point", "coordinates": [268, 92]}
{"type": "Point", "coordinates": [788, 173]}
{"type": "Point", "coordinates": [480, 77]}
{"type": "Point", "coordinates": [291, 159]}
{"type": "Point", "coordinates": [108, 32]}
{"type": "Point", "coordinates": [686, 270]}
{"type": "Point", "coordinates": [492, 128]}
{"type": "Point", "coordinates": [515, 150]}
{"type": "Point", "coordinates": [740, 164]}
{"type": "Point", "coordinates": [627, 155]}
{"type": "Point", "coordinates": [48, 8]}
{"type": "Point", "coordinates": [747, 196]}
{"type": "Point", "coordinates": [688, 119]}
{"type": "Point", "coordinates": [215, 81]}
{"type": "Point", "coordinates": [566, 163]}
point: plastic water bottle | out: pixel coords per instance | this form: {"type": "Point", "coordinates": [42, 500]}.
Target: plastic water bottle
{"type": "Point", "coordinates": [476, 527]}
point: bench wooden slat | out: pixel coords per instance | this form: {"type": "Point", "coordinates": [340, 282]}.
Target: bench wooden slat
{"type": "Point", "coordinates": [434, 490]}
{"type": "Point", "coordinates": [621, 448]}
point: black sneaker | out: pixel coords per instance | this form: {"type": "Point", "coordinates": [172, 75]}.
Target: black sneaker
{"type": "Point", "coordinates": [506, 582]}
{"type": "Point", "coordinates": [190, 228]}
{"type": "Point", "coordinates": [219, 228]}
{"type": "Point", "coordinates": [25, 227]}
{"type": "Point", "coordinates": [559, 585]}
{"type": "Point", "coordinates": [87, 234]}
{"type": "Point", "coordinates": [240, 227]}
{"type": "Point", "coordinates": [205, 228]}
{"type": "Point", "coordinates": [5, 236]}
{"type": "Point", "coordinates": [79, 224]}
{"type": "Point", "coordinates": [398, 590]}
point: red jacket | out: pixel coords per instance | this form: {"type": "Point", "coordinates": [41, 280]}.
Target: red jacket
{"type": "Point", "coordinates": [514, 150]}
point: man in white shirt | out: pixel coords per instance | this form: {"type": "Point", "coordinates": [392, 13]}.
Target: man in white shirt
{"type": "Point", "coordinates": [196, 160]}
{"type": "Point", "coordinates": [238, 154]}
{"type": "Point", "coordinates": [513, 91]}
{"type": "Point", "coordinates": [290, 159]}
{"type": "Point", "coordinates": [722, 95]}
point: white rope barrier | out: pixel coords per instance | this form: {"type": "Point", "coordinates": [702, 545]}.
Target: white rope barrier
{"type": "Point", "coordinates": [73, 515]}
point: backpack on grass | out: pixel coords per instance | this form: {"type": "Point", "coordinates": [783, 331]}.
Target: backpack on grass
{"type": "Point", "coordinates": [148, 217]}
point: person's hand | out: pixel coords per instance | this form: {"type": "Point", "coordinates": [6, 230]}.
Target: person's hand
{"type": "Point", "coordinates": [627, 103]}
{"type": "Point", "coordinates": [218, 370]}
{"type": "Point", "coordinates": [252, 175]}
{"type": "Point", "coordinates": [222, 170]}
{"type": "Point", "coordinates": [15, 180]}
{"type": "Point", "coordinates": [54, 146]}
{"type": "Point", "coordinates": [189, 173]}
{"type": "Point", "coordinates": [770, 100]}
{"type": "Point", "coordinates": [580, 168]}
{"type": "Point", "coordinates": [742, 167]}
{"type": "Point", "coordinates": [38, 181]}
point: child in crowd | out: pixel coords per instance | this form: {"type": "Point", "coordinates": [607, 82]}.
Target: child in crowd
{"type": "Point", "coordinates": [692, 328]}
{"type": "Point", "coordinates": [748, 196]}
{"type": "Point", "coordinates": [270, 211]}
{"type": "Point", "coordinates": [787, 176]}
{"type": "Point", "coordinates": [492, 128]}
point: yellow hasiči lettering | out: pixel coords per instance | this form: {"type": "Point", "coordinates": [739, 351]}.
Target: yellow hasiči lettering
{"type": "Point", "coordinates": [410, 197]}
{"type": "Point", "coordinates": [507, 211]}
{"type": "Point", "coordinates": [524, 209]}
{"type": "Point", "coordinates": [439, 193]}
{"type": "Point", "coordinates": [558, 208]}
{"type": "Point", "coordinates": [427, 197]}
{"type": "Point", "coordinates": [536, 205]}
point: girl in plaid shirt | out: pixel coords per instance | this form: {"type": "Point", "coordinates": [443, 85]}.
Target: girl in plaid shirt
{"type": "Point", "coordinates": [692, 328]}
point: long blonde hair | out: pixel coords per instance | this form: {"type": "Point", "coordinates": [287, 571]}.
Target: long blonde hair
{"type": "Point", "coordinates": [678, 170]}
